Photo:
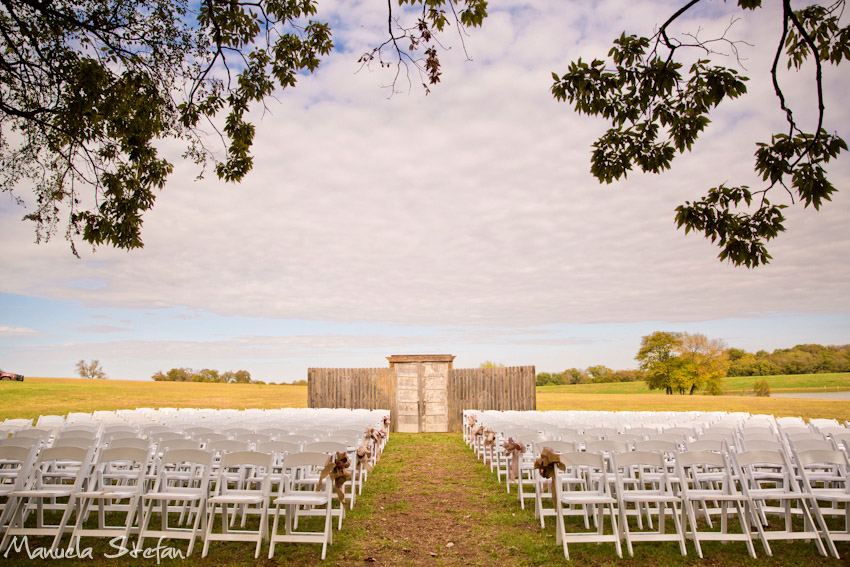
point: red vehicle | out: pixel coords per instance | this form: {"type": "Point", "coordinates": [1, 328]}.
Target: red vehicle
{"type": "Point", "coordinates": [11, 376]}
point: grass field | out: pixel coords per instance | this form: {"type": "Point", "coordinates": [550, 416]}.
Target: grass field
{"type": "Point", "coordinates": [43, 396]}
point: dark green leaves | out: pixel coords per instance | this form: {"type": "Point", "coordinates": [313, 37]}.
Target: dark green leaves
{"type": "Point", "coordinates": [657, 111]}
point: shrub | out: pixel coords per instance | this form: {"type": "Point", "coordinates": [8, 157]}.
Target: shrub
{"type": "Point", "coordinates": [761, 388]}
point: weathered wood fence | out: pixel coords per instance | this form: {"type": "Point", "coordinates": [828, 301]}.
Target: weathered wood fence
{"type": "Point", "coordinates": [367, 388]}
{"type": "Point", "coordinates": [507, 388]}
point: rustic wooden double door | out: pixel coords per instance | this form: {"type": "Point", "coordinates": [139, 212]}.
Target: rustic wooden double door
{"type": "Point", "coordinates": [422, 396]}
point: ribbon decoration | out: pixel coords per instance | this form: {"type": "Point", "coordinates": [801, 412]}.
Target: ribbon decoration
{"type": "Point", "coordinates": [386, 422]}
{"type": "Point", "coordinates": [515, 450]}
{"type": "Point", "coordinates": [364, 458]}
{"type": "Point", "coordinates": [547, 462]}
{"type": "Point", "coordinates": [477, 430]}
{"type": "Point", "coordinates": [489, 437]}
{"type": "Point", "coordinates": [337, 471]}
{"type": "Point", "coordinates": [472, 420]}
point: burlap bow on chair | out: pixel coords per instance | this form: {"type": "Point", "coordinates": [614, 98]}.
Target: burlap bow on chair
{"type": "Point", "coordinates": [547, 462]}
{"type": "Point", "coordinates": [337, 471]}
{"type": "Point", "coordinates": [472, 420]}
{"type": "Point", "coordinates": [364, 458]}
{"type": "Point", "coordinates": [515, 451]}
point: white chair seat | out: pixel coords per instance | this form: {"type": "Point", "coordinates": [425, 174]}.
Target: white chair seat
{"type": "Point", "coordinates": [306, 499]}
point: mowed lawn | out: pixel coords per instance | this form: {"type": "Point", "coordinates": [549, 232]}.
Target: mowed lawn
{"type": "Point", "coordinates": [58, 396]}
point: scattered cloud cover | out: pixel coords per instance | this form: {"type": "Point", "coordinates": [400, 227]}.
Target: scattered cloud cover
{"type": "Point", "coordinates": [464, 221]}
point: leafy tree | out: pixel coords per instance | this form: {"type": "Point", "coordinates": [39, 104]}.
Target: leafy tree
{"type": "Point", "coordinates": [91, 370]}
{"type": "Point", "coordinates": [88, 89]}
{"type": "Point", "coordinates": [703, 364]}
{"type": "Point", "coordinates": [491, 364]}
{"type": "Point", "coordinates": [658, 109]}
{"type": "Point", "coordinates": [657, 359]}
{"type": "Point", "coordinates": [599, 373]}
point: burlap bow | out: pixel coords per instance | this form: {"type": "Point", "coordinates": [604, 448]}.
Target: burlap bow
{"type": "Point", "coordinates": [515, 451]}
{"type": "Point", "coordinates": [489, 437]}
{"type": "Point", "coordinates": [477, 430]}
{"type": "Point", "coordinates": [386, 422]}
{"type": "Point", "coordinates": [472, 420]}
{"type": "Point", "coordinates": [337, 471]}
{"type": "Point", "coordinates": [547, 462]}
{"type": "Point", "coordinates": [364, 458]}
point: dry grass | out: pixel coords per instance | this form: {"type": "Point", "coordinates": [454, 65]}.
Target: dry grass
{"type": "Point", "coordinates": [58, 396]}
{"type": "Point", "coordinates": [45, 396]}
{"type": "Point", "coordinates": [808, 408]}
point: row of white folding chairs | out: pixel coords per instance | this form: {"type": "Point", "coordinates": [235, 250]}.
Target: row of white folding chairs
{"type": "Point", "coordinates": [121, 474]}
{"type": "Point", "coordinates": [812, 476]}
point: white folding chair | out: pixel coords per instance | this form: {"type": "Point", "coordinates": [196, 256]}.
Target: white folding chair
{"type": "Point", "coordinates": [585, 483]}
{"type": "Point", "coordinates": [767, 478]}
{"type": "Point", "coordinates": [58, 474]}
{"type": "Point", "coordinates": [824, 475]}
{"type": "Point", "coordinates": [116, 486]}
{"type": "Point", "coordinates": [243, 483]}
{"type": "Point", "coordinates": [643, 486]}
{"type": "Point", "coordinates": [542, 493]}
{"type": "Point", "coordinates": [290, 499]}
{"type": "Point", "coordinates": [705, 477]}
{"type": "Point", "coordinates": [183, 477]}
{"type": "Point", "coordinates": [15, 465]}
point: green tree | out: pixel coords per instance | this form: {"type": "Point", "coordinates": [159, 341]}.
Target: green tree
{"type": "Point", "coordinates": [703, 364]}
{"type": "Point", "coordinates": [89, 89]}
{"type": "Point", "coordinates": [657, 359]}
{"type": "Point", "coordinates": [658, 109]}
{"type": "Point", "coordinates": [491, 364]}
{"type": "Point", "coordinates": [91, 370]}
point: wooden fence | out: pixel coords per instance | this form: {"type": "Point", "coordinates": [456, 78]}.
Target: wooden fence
{"type": "Point", "coordinates": [508, 388]}
{"type": "Point", "coordinates": [367, 388]}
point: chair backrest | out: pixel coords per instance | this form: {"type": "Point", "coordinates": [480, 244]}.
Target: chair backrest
{"type": "Point", "coordinates": [658, 446]}
{"type": "Point", "coordinates": [606, 446]}
{"type": "Point", "coordinates": [279, 447]}
{"type": "Point", "coordinates": [83, 442]}
{"type": "Point", "coordinates": [227, 446]}
{"type": "Point", "coordinates": [328, 447]}
{"type": "Point", "coordinates": [714, 445]}
{"type": "Point", "coordinates": [638, 458]}
{"type": "Point", "coordinates": [556, 446]}
{"type": "Point", "coordinates": [15, 465]}
{"type": "Point", "coordinates": [134, 442]}
{"type": "Point", "coordinates": [172, 444]}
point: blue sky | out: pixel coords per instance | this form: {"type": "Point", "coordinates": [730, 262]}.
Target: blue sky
{"type": "Point", "coordinates": [462, 222]}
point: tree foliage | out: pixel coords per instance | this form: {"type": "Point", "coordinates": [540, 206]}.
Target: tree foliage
{"type": "Point", "coordinates": [801, 359]}
{"type": "Point", "coordinates": [204, 375]}
{"type": "Point", "coordinates": [91, 370]}
{"type": "Point", "coordinates": [683, 362]}
{"type": "Point", "coordinates": [88, 89]}
{"type": "Point", "coordinates": [658, 109]}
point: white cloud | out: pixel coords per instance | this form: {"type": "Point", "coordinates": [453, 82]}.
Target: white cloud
{"type": "Point", "coordinates": [471, 206]}
{"type": "Point", "coordinates": [8, 331]}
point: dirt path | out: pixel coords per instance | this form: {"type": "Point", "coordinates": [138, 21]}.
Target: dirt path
{"type": "Point", "coordinates": [432, 512]}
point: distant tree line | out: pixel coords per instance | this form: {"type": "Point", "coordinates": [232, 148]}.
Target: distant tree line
{"type": "Point", "coordinates": [205, 375]}
{"type": "Point", "coordinates": [801, 359]}
{"type": "Point", "coordinates": [592, 375]}
{"type": "Point", "coordinates": [685, 363]}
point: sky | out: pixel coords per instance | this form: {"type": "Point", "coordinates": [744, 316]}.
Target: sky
{"type": "Point", "coordinates": [463, 222]}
